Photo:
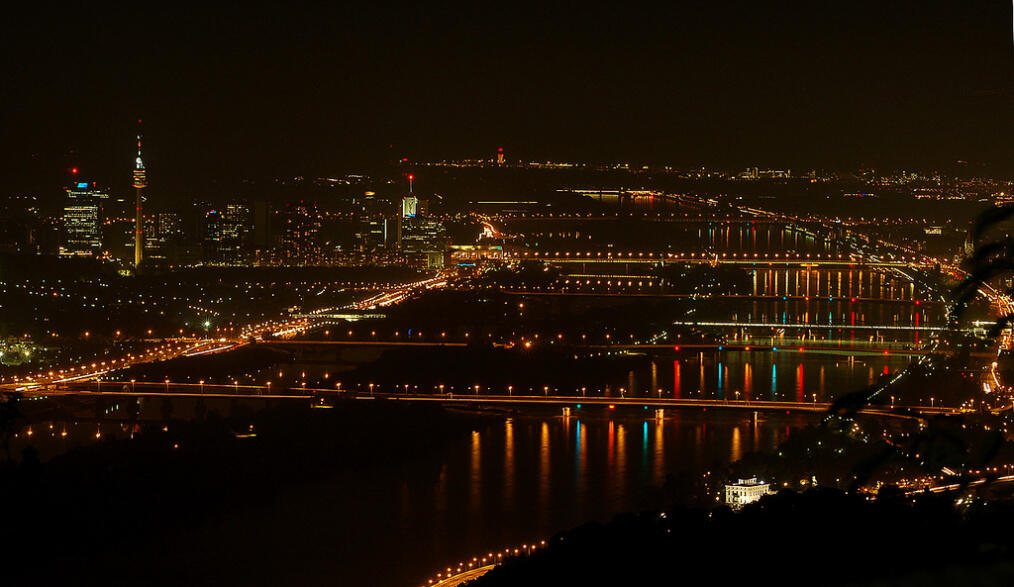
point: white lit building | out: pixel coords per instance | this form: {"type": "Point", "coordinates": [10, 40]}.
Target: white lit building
{"type": "Point", "coordinates": [409, 206]}
{"type": "Point", "coordinates": [745, 491]}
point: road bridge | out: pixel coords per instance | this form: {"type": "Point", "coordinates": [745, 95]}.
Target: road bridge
{"type": "Point", "coordinates": [658, 403]}
{"type": "Point", "coordinates": [793, 346]}
{"type": "Point", "coordinates": [509, 222]}
{"type": "Point", "coordinates": [321, 397]}
{"type": "Point", "coordinates": [743, 297]}
{"type": "Point", "coordinates": [664, 259]}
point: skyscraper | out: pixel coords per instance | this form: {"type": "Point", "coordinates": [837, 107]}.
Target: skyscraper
{"type": "Point", "coordinates": [235, 233]}
{"type": "Point", "coordinates": [300, 236]}
{"type": "Point", "coordinates": [211, 243]}
{"type": "Point", "coordinates": [164, 235]}
{"type": "Point", "coordinates": [140, 182]}
{"type": "Point", "coordinates": [82, 219]}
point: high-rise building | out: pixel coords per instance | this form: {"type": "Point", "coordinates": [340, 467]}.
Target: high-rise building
{"type": "Point", "coordinates": [82, 219]}
{"type": "Point", "coordinates": [300, 234]}
{"type": "Point", "coordinates": [226, 234]}
{"type": "Point", "coordinates": [163, 233]}
{"type": "Point", "coordinates": [425, 242]}
{"type": "Point", "coordinates": [499, 156]}
{"type": "Point", "coordinates": [373, 233]}
{"type": "Point", "coordinates": [211, 240]}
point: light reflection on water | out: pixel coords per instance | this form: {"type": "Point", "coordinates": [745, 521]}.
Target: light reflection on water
{"type": "Point", "coordinates": [754, 375]}
{"type": "Point", "coordinates": [585, 467]}
{"type": "Point", "coordinates": [511, 479]}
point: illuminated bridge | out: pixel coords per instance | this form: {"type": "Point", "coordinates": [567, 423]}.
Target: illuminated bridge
{"type": "Point", "coordinates": [714, 296]}
{"type": "Point", "coordinates": [327, 397]}
{"type": "Point", "coordinates": [663, 259]}
{"type": "Point", "coordinates": [819, 326]}
{"type": "Point", "coordinates": [312, 347]}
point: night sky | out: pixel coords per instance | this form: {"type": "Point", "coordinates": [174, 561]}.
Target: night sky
{"type": "Point", "coordinates": [281, 89]}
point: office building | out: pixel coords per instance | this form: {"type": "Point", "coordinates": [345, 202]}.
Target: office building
{"type": "Point", "coordinates": [300, 234]}
{"type": "Point", "coordinates": [82, 219]}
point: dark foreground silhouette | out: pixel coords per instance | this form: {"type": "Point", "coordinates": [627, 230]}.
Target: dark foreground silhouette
{"type": "Point", "coordinates": [820, 537]}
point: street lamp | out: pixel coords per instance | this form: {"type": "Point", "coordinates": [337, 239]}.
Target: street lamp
{"type": "Point", "coordinates": [167, 385]}
{"type": "Point", "coordinates": [202, 386]}
{"type": "Point", "coordinates": [510, 389]}
{"type": "Point", "coordinates": [132, 382]}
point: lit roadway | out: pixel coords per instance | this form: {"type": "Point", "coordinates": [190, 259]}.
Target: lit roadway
{"type": "Point", "coordinates": [715, 260]}
{"type": "Point", "coordinates": [655, 402]}
{"type": "Point", "coordinates": [463, 577]}
{"type": "Point", "coordinates": [187, 347]}
{"type": "Point", "coordinates": [811, 347]}
{"type": "Point", "coordinates": [197, 390]}
{"type": "Point", "coordinates": [710, 296]}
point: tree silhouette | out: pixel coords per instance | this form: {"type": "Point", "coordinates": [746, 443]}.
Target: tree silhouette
{"type": "Point", "coordinates": [990, 261]}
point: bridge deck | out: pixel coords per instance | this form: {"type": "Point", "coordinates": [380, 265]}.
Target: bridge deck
{"type": "Point", "coordinates": [193, 390]}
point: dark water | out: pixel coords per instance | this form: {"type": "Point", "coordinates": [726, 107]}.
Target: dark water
{"type": "Point", "coordinates": [509, 480]}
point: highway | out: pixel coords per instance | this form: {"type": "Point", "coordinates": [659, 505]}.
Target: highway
{"type": "Point", "coordinates": [726, 261]}
{"type": "Point", "coordinates": [694, 296]}
{"type": "Point", "coordinates": [197, 390]}
{"type": "Point", "coordinates": [187, 347]}
{"type": "Point", "coordinates": [463, 577]}
{"type": "Point", "coordinates": [657, 403]}
{"type": "Point", "coordinates": [863, 349]}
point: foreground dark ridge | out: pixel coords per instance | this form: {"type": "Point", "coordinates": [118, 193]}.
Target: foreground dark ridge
{"type": "Point", "coordinates": [820, 537]}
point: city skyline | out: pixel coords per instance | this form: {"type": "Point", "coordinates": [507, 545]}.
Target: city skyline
{"type": "Point", "coordinates": [507, 295]}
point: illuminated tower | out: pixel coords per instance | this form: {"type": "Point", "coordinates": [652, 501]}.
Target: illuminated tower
{"type": "Point", "coordinates": [499, 156]}
{"type": "Point", "coordinates": [140, 182]}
